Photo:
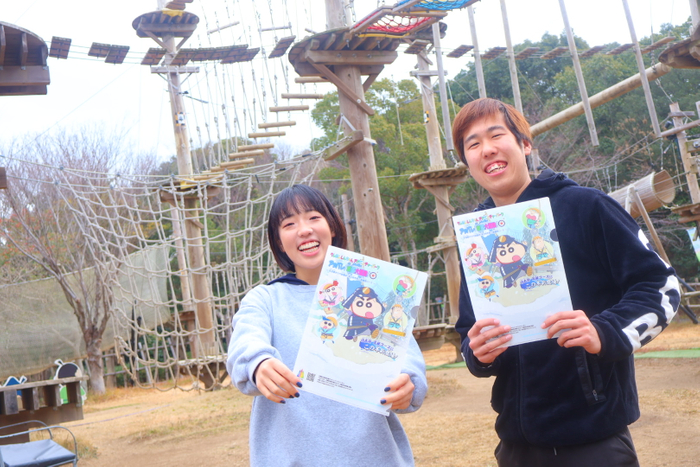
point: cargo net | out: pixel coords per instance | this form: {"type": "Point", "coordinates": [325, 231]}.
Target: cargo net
{"type": "Point", "coordinates": [391, 25]}
{"type": "Point", "coordinates": [435, 4]}
{"type": "Point", "coordinates": [184, 254]}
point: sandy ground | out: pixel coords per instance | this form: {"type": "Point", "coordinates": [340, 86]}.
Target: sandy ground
{"type": "Point", "coordinates": [136, 427]}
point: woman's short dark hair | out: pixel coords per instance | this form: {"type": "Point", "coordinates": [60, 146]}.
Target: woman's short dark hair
{"type": "Point", "coordinates": [298, 199]}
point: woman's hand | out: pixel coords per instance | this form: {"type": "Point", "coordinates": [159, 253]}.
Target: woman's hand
{"type": "Point", "coordinates": [400, 392]}
{"type": "Point", "coordinates": [275, 381]}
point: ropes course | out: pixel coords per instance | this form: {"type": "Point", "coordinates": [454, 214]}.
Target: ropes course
{"type": "Point", "coordinates": [185, 248]}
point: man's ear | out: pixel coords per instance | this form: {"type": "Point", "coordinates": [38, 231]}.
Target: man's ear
{"type": "Point", "coordinates": [527, 147]}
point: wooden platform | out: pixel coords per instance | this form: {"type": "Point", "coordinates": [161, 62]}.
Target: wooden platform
{"type": "Point", "coordinates": [687, 213]}
{"type": "Point", "coordinates": [23, 68]}
{"type": "Point", "coordinates": [441, 177]}
{"type": "Point", "coordinates": [684, 54]}
{"type": "Point", "coordinates": [41, 400]}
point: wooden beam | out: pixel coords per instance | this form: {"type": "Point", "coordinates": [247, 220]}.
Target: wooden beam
{"type": "Point", "coordinates": [369, 81]}
{"type": "Point", "coordinates": [276, 124]}
{"type": "Point", "coordinates": [33, 75]}
{"type": "Point", "coordinates": [3, 45]}
{"type": "Point", "coordinates": [351, 58]}
{"type": "Point", "coordinates": [3, 178]}
{"type": "Point", "coordinates": [250, 147]}
{"type": "Point", "coordinates": [237, 155]}
{"type": "Point", "coordinates": [301, 96]}
{"type": "Point", "coordinates": [310, 79]}
{"type": "Point", "coordinates": [265, 134]}
{"type": "Point", "coordinates": [289, 108]}
{"type": "Point", "coordinates": [341, 146]}
{"type": "Point", "coordinates": [232, 165]}
{"type": "Point", "coordinates": [342, 87]}
{"type": "Point", "coordinates": [24, 50]}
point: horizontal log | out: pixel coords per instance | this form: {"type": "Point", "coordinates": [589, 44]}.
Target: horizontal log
{"type": "Point", "coordinates": [289, 108]}
{"type": "Point", "coordinates": [276, 124]}
{"type": "Point", "coordinates": [266, 134]}
{"type": "Point", "coordinates": [310, 79]}
{"type": "Point", "coordinates": [250, 147]}
{"type": "Point", "coordinates": [237, 155]}
{"type": "Point", "coordinates": [302, 96]}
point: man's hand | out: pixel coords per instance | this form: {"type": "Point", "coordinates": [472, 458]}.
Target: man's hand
{"type": "Point", "coordinates": [578, 330]}
{"type": "Point", "coordinates": [485, 351]}
{"type": "Point", "coordinates": [275, 381]}
{"type": "Point", "coordinates": [400, 392]}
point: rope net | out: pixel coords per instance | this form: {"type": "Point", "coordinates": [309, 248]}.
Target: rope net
{"type": "Point", "coordinates": [443, 5]}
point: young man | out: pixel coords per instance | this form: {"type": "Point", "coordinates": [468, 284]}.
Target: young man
{"type": "Point", "coordinates": [567, 401]}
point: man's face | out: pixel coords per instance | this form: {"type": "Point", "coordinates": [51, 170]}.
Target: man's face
{"type": "Point", "coordinates": [496, 160]}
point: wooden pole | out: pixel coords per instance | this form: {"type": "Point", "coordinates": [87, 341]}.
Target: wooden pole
{"type": "Point", "coordinates": [346, 221]}
{"type": "Point", "coordinates": [691, 175]}
{"type": "Point", "coordinates": [477, 57]}
{"type": "Point", "coordinates": [511, 60]}
{"type": "Point", "coordinates": [444, 211]}
{"type": "Point", "coordinates": [193, 232]}
{"type": "Point", "coordinates": [369, 213]}
{"type": "Point", "coordinates": [446, 121]}
{"type": "Point", "coordinates": [599, 99]}
{"type": "Point", "coordinates": [695, 12]}
{"type": "Point", "coordinates": [640, 65]}
{"type": "Point", "coordinates": [579, 76]}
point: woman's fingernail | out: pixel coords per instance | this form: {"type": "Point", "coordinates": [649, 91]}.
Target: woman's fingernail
{"type": "Point", "coordinates": [296, 395]}
{"type": "Point", "coordinates": [383, 401]}
{"type": "Point", "coordinates": [387, 389]}
{"type": "Point", "coordinates": [299, 384]}
{"type": "Point", "coordinates": [283, 401]}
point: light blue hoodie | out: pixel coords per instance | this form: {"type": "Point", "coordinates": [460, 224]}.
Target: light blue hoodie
{"type": "Point", "coordinates": [310, 430]}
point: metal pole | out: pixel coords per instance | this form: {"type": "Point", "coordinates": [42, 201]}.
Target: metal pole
{"type": "Point", "coordinates": [579, 76]}
{"type": "Point", "coordinates": [477, 57]}
{"type": "Point", "coordinates": [640, 65]}
{"type": "Point", "coordinates": [511, 60]}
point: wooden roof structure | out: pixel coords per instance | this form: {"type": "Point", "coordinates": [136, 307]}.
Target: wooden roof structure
{"type": "Point", "coordinates": [23, 68]}
{"type": "Point", "coordinates": [684, 54]}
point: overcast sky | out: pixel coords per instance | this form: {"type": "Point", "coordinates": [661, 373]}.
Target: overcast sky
{"type": "Point", "coordinates": [86, 91]}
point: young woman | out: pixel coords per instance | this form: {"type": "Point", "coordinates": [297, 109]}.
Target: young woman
{"type": "Point", "coordinates": [286, 427]}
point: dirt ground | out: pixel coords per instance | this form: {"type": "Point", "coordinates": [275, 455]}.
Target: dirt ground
{"type": "Point", "coordinates": [137, 427]}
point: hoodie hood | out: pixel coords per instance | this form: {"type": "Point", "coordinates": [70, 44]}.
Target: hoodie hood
{"type": "Point", "coordinates": [289, 279]}
{"type": "Point", "coordinates": [547, 183]}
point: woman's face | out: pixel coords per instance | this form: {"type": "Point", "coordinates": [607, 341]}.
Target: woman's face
{"type": "Point", "coordinates": [305, 238]}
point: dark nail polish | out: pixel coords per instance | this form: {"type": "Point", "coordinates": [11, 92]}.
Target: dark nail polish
{"type": "Point", "coordinates": [299, 384]}
{"type": "Point", "coordinates": [296, 395]}
{"type": "Point", "coordinates": [283, 401]}
{"type": "Point", "coordinates": [387, 389]}
{"type": "Point", "coordinates": [383, 401]}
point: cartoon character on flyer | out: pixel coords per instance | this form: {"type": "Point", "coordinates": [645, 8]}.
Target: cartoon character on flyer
{"type": "Point", "coordinates": [330, 295]}
{"type": "Point", "coordinates": [541, 252]}
{"type": "Point", "coordinates": [475, 258]}
{"type": "Point", "coordinates": [363, 306]}
{"type": "Point", "coordinates": [487, 287]}
{"type": "Point", "coordinates": [508, 253]}
{"type": "Point", "coordinates": [395, 321]}
{"type": "Point", "coordinates": [327, 328]}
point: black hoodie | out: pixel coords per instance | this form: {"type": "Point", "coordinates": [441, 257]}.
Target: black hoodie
{"type": "Point", "coordinates": [547, 395]}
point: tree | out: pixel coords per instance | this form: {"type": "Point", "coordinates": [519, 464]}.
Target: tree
{"type": "Point", "coordinates": [41, 224]}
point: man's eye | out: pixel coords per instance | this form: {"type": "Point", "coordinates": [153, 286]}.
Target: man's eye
{"type": "Point", "coordinates": [369, 305]}
{"type": "Point", "coordinates": [359, 303]}
{"type": "Point", "coordinates": [511, 250]}
{"type": "Point", "coordinates": [502, 252]}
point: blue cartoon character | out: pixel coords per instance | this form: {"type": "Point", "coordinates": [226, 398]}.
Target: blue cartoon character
{"type": "Point", "coordinates": [327, 327]}
{"type": "Point", "coordinates": [395, 321]}
{"type": "Point", "coordinates": [363, 306]}
{"type": "Point", "coordinates": [487, 286]}
{"type": "Point", "coordinates": [509, 254]}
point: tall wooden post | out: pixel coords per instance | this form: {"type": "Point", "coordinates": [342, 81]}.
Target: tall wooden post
{"type": "Point", "coordinates": [444, 210]}
{"type": "Point", "coordinates": [511, 60]}
{"type": "Point", "coordinates": [477, 57]}
{"type": "Point", "coordinates": [347, 222]}
{"type": "Point", "coordinates": [369, 213]}
{"type": "Point", "coordinates": [205, 344]}
{"type": "Point", "coordinates": [691, 172]}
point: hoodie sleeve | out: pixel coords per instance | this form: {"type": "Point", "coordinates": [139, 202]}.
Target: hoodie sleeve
{"type": "Point", "coordinates": [251, 339]}
{"type": "Point", "coordinates": [649, 288]}
{"type": "Point", "coordinates": [415, 368]}
{"type": "Point", "coordinates": [464, 323]}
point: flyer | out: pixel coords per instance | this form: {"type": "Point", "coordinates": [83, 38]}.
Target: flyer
{"type": "Point", "coordinates": [357, 335]}
{"type": "Point", "coordinates": [513, 266]}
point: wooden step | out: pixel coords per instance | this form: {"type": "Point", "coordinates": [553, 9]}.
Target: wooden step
{"type": "Point", "coordinates": [310, 79]}
{"type": "Point", "coordinates": [276, 124]}
{"type": "Point", "coordinates": [239, 164]}
{"type": "Point", "coordinates": [289, 108]}
{"type": "Point", "coordinates": [237, 155]}
{"type": "Point", "coordinates": [266, 134]}
{"type": "Point", "coordinates": [250, 147]}
{"type": "Point", "coordinates": [302, 96]}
